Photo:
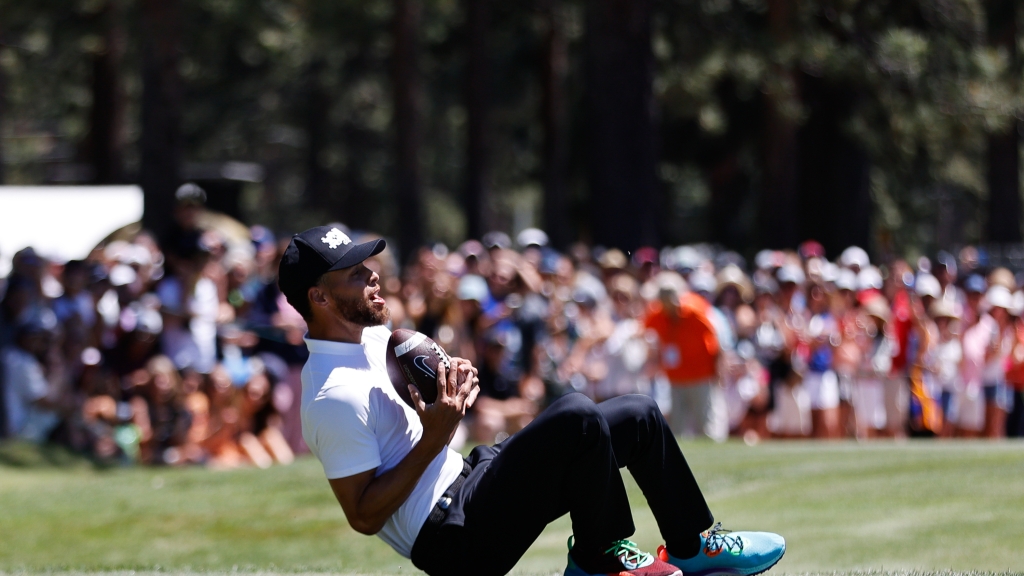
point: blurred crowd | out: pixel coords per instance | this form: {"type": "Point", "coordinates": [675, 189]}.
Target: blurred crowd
{"type": "Point", "coordinates": [167, 350]}
{"type": "Point", "coordinates": [182, 350]}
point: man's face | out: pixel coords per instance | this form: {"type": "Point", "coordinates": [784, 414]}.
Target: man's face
{"type": "Point", "coordinates": [354, 293]}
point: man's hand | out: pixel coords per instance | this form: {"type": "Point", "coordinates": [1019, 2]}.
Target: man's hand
{"type": "Point", "coordinates": [441, 419]}
{"type": "Point", "coordinates": [467, 376]}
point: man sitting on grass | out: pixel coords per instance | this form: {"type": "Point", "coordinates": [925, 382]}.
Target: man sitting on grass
{"type": "Point", "coordinates": [394, 475]}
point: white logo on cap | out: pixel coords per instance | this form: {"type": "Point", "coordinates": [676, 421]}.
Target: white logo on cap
{"type": "Point", "coordinates": [335, 238]}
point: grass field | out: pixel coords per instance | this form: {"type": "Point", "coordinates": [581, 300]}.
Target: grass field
{"type": "Point", "coordinates": [917, 508]}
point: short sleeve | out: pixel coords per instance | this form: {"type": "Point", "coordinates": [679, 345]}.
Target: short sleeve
{"type": "Point", "coordinates": [343, 437]}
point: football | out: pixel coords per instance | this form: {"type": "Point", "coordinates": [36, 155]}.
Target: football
{"type": "Point", "coordinates": [412, 358]}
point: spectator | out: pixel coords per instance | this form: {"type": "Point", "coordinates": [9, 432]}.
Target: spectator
{"type": "Point", "coordinates": [687, 353]}
{"type": "Point", "coordinates": [998, 323]}
{"type": "Point", "coordinates": [820, 379]}
{"type": "Point", "coordinates": [897, 388]}
{"type": "Point", "coordinates": [880, 347]}
{"type": "Point", "coordinates": [746, 384]}
{"type": "Point", "coordinates": [260, 438]}
{"type": "Point", "coordinates": [626, 351]}
{"type": "Point", "coordinates": [32, 399]}
{"type": "Point", "coordinates": [848, 352]}
{"type": "Point", "coordinates": [790, 417]}
{"type": "Point", "coordinates": [1015, 372]}
{"type": "Point", "coordinates": [190, 305]}
{"type": "Point", "coordinates": [161, 415]}
{"type": "Point", "coordinates": [944, 359]}
{"type": "Point", "coordinates": [797, 348]}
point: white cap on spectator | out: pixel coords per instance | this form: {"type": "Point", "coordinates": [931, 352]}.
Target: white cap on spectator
{"type": "Point", "coordinates": [869, 278]}
{"type": "Point", "coordinates": [846, 280]}
{"type": "Point", "coordinates": [140, 255]}
{"type": "Point", "coordinates": [701, 281]}
{"type": "Point", "coordinates": [473, 248]}
{"type": "Point", "coordinates": [472, 287]}
{"type": "Point", "coordinates": [686, 258]}
{"type": "Point", "coordinates": [854, 256]}
{"type": "Point", "coordinates": [999, 297]}
{"type": "Point", "coordinates": [766, 259]}
{"type": "Point", "coordinates": [927, 285]}
{"type": "Point", "coordinates": [829, 272]}
{"type": "Point", "coordinates": [821, 270]}
{"type": "Point", "coordinates": [591, 283]}
{"type": "Point", "coordinates": [122, 275]}
{"type": "Point", "coordinates": [119, 251]}
{"type": "Point", "coordinates": [1018, 303]}
{"type": "Point", "coordinates": [496, 239]}
{"type": "Point", "coordinates": [664, 281]}
{"type": "Point", "coordinates": [732, 275]}
{"type": "Point", "coordinates": [613, 259]}
{"type": "Point", "coordinates": [790, 273]}
{"type": "Point", "coordinates": [190, 193]}
{"type": "Point", "coordinates": [532, 237]}
{"type": "Point", "coordinates": [943, 308]}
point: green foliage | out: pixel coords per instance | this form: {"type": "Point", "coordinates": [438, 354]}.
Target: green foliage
{"type": "Point", "coordinates": [929, 89]}
{"type": "Point", "coordinates": [269, 80]}
{"type": "Point", "coordinates": [44, 53]}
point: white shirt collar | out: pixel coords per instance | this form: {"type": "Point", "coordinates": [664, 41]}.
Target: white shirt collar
{"type": "Point", "coordinates": [331, 347]}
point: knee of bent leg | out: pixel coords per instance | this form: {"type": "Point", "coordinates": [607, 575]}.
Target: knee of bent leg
{"type": "Point", "coordinates": [645, 409]}
{"type": "Point", "coordinates": [644, 404]}
{"type": "Point", "coordinates": [578, 409]}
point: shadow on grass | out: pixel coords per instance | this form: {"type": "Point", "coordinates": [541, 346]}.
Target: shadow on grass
{"type": "Point", "coordinates": [26, 455]}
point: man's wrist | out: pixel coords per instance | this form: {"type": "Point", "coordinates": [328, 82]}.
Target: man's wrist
{"type": "Point", "coordinates": [427, 448]}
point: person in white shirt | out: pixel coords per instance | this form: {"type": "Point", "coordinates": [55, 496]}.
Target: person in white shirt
{"type": "Point", "coordinates": [29, 399]}
{"type": "Point", "coordinates": [395, 476]}
{"type": "Point", "coordinates": [943, 360]}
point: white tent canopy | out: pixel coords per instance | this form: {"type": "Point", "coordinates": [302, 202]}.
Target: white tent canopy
{"type": "Point", "coordinates": [62, 222]}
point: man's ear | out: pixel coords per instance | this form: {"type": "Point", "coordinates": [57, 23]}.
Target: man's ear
{"type": "Point", "coordinates": [317, 296]}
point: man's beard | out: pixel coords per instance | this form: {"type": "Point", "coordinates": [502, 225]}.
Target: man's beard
{"type": "Point", "coordinates": [359, 311]}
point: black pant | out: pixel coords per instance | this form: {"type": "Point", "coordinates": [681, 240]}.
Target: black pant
{"type": "Point", "coordinates": [1015, 419]}
{"type": "Point", "coordinates": [565, 461]}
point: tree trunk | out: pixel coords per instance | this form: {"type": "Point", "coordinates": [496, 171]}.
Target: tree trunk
{"type": "Point", "coordinates": [778, 206]}
{"type": "Point", "coordinates": [106, 134]}
{"type": "Point", "coordinates": [407, 126]}
{"type": "Point", "coordinates": [478, 16]}
{"type": "Point", "coordinates": [3, 110]}
{"type": "Point", "coordinates": [318, 190]}
{"type": "Point", "coordinates": [620, 111]}
{"type": "Point", "coordinates": [1004, 202]}
{"type": "Point", "coordinates": [778, 221]}
{"type": "Point", "coordinates": [729, 185]}
{"type": "Point", "coordinates": [555, 68]}
{"type": "Point", "coordinates": [730, 182]}
{"type": "Point", "coordinates": [161, 110]}
{"type": "Point", "coordinates": [835, 196]}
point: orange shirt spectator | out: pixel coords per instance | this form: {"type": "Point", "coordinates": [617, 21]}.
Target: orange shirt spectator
{"type": "Point", "coordinates": [687, 342]}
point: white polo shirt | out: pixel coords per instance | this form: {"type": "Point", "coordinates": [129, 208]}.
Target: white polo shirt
{"type": "Point", "coordinates": [354, 421]}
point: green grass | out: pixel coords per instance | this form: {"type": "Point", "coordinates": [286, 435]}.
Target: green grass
{"type": "Point", "coordinates": [916, 508]}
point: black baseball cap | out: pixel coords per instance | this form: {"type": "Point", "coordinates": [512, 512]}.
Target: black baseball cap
{"type": "Point", "coordinates": [317, 251]}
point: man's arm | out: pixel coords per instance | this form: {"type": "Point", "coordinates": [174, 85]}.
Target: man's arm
{"type": "Point", "coordinates": [369, 501]}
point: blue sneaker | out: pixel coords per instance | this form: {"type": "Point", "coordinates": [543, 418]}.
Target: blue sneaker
{"type": "Point", "coordinates": [624, 558]}
{"type": "Point", "coordinates": [724, 552]}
